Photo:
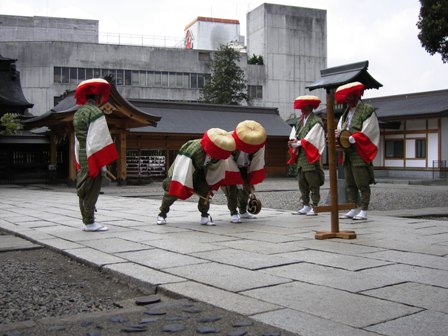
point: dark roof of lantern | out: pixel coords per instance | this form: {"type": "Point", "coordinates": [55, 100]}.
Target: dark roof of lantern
{"type": "Point", "coordinates": [422, 104]}
{"type": "Point", "coordinates": [11, 94]}
{"type": "Point", "coordinates": [332, 78]}
{"type": "Point", "coordinates": [196, 118]}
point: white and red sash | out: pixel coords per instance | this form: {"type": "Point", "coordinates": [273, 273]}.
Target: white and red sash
{"type": "Point", "coordinates": [100, 148]}
{"type": "Point", "coordinates": [257, 171]}
{"type": "Point", "coordinates": [181, 185]}
{"type": "Point", "coordinates": [367, 141]}
{"type": "Point", "coordinates": [218, 174]}
{"type": "Point", "coordinates": [314, 143]}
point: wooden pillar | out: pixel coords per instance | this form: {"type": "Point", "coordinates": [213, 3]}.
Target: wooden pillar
{"type": "Point", "coordinates": [334, 207]}
{"type": "Point", "coordinates": [53, 149]}
{"type": "Point", "coordinates": [71, 159]}
{"type": "Point", "coordinates": [121, 163]}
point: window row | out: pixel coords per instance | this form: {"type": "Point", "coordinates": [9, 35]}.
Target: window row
{"type": "Point", "coordinates": [184, 80]}
{"type": "Point", "coordinates": [394, 149]}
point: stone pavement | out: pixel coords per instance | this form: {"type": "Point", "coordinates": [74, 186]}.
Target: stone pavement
{"type": "Point", "coordinates": [391, 280]}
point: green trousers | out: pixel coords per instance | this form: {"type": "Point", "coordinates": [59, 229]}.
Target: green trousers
{"type": "Point", "coordinates": [357, 184]}
{"type": "Point", "coordinates": [200, 187]}
{"type": "Point", "coordinates": [87, 189]}
{"type": "Point", "coordinates": [309, 186]}
{"type": "Point", "coordinates": [237, 198]}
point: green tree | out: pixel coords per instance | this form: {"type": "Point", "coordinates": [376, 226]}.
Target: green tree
{"type": "Point", "coordinates": [433, 25]}
{"type": "Point", "coordinates": [255, 60]}
{"type": "Point", "coordinates": [227, 84]}
{"type": "Point", "coordinates": [10, 124]}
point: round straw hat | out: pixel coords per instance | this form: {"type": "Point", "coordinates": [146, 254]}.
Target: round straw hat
{"type": "Point", "coordinates": [94, 86]}
{"type": "Point", "coordinates": [218, 143]}
{"type": "Point", "coordinates": [344, 91]}
{"type": "Point", "coordinates": [304, 101]}
{"type": "Point", "coordinates": [249, 136]}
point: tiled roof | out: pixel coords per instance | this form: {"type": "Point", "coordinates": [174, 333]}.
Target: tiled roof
{"type": "Point", "coordinates": [191, 118]}
{"type": "Point", "coordinates": [412, 105]}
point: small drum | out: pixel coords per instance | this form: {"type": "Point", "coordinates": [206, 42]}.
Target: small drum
{"type": "Point", "coordinates": [343, 139]}
{"type": "Point", "coordinates": [254, 205]}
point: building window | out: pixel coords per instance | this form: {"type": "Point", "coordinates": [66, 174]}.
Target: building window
{"type": "Point", "coordinates": [193, 81]}
{"type": "Point", "coordinates": [118, 75]}
{"type": "Point", "coordinates": [201, 81]}
{"type": "Point", "coordinates": [81, 74]}
{"type": "Point", "coordinates": [89, 73]}
{"type": "Point", "coordinates": [255, 91]}
{"type": "Point", "coordinates": [420, 148]}
{"type": "Point", "coordinates": [394, 149]}
{"type": "Point", "coordinates": [57, 75]}
{"type": "Point", "coordinates": [73, 75]}
{"type": "Point", "coordinates": [172, 79]}
{"type": "Point", "coordinates": [165, 79]}
{"type": "Point", "coordinates": [157, 79]}
{"type": "Point", "coordinates": [204, 56]}
{"type": "Point", "coordinates": [127, 77]}
{"type": "Point", "coordinates": [66, 75]}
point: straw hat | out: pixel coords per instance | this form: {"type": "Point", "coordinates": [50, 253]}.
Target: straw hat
{"type": "Point", "coordinates": [94, 86]}
{"type": "Point", "coordinates": [304, 101]}
{"type": "Point", "coordinates": [344, 91]}
{"type": "Point", "coordinates": [249, 136]}
{"type": "Point", "coordinates": [218, 143]}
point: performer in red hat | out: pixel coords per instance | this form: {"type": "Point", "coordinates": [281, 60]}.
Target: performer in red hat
{"type": "Point", "coordinates": [306, 147]}
{"type": "Point", "coordinates": [250, 139]}
{"type": "Point", "coordinates": [361, 121]}
{"type": "Point", "coordinates": [199, 168]}
{"type": "Point", "coordinates": [94, 148]}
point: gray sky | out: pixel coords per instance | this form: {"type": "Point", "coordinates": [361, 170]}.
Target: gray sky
{"type": "Point", "coordinates": [383, 32]}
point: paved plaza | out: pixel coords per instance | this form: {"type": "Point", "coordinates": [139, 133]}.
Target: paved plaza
{"type": "Point", "coordinates": [391, 280]}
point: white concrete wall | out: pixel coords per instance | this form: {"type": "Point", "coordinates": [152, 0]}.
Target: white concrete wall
{"type": "Point", "coordinates": [293, 43]}
{"type": "Point", "coordinates": [36, 61]}
{"type": "Point", "coordinates": [40, 28]}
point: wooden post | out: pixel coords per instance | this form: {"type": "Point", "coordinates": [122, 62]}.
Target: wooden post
{"type": "Point", "coordinates": [53, 149]}
{"type": "Point", "coordinates": [71, 159]}
{"type": "Point", "coordinates": [121, 164]}
{"type": "Point", "coordinates": [332, 165]}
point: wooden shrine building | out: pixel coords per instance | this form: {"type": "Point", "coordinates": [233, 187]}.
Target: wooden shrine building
{"type": "Point", "coordinates": [148, 134]}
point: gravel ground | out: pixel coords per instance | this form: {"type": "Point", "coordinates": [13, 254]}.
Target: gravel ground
{"type": "Point", "coordinates": [43, 293]}
{"type": "Point", "coordinates": [41, 284]}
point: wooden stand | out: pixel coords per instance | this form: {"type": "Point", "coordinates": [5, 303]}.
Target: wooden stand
{"type": "Point", "coordinates": [334, 207]}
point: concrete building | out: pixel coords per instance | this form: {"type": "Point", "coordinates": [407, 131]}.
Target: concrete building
{"type": "Point", "coordinates": [55, 54]}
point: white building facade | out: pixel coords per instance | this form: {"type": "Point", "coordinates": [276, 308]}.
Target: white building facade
{"type": "Point", "coordinates": [55, 54]}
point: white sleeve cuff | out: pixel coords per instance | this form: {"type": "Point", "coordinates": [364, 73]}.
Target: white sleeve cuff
{"type": "Point", "coordinates": [296, 144]}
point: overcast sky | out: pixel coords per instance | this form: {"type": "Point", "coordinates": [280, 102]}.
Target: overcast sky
{"type": "Point", "coordinates": [383, 32]}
